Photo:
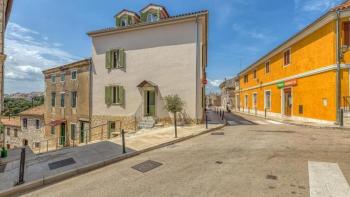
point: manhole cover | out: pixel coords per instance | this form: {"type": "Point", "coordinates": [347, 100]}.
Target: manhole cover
{"type": "Point", "coordinates": [61, 163]}
{"type": "Point", "coordinates": [146, 166]}
{"type": "Point", "coordinates": [218, 133]}
{"type": "Point", "coordinates": [2, 168]}
{"type": "Point", "coordinates": [271, 177]}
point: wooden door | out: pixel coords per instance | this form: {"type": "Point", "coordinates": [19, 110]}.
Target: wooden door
{"type": "Point", "coordinates": [288, 100]}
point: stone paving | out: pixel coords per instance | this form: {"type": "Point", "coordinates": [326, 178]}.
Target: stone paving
{"type": "Point", "coordinates": [37, 166]}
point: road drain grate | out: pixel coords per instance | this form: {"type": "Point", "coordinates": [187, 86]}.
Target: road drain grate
{"type": "Point", "coordinates": [271, 177]}
{"type": "Point", "coordinates": [219, 162]}
{"type": "Point", "coordinates": [2, 168]}
{"type": "Point", "coordinates": [61, 163]}
{"type": "Point", "coordinates": [146, 166]}
{"type": "Point", "coordinates": [218, 133]}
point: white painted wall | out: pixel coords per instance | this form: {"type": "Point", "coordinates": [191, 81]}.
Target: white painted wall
{"type": "Point", "coordinates": [165, 55]}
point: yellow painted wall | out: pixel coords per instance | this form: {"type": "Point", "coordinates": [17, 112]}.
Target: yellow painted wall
{"type": "Point", "coordinates": [313, 52]}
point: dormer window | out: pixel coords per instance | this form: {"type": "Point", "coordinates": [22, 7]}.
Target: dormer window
{"type": "Point", "coordinates": [152, 17]}
{"type": "Point", "coordinates": [124, 22]}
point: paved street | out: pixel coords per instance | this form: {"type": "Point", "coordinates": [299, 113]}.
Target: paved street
{"type": "Point", "coordinates": [266, 159]}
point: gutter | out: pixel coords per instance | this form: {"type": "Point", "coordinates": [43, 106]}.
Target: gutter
{"type": "Point", "coordinates": [338, 59]}
{"type": "Point", "coordinates": [197, 63]}
{"type": "Point", "coordinates": [90, 95]}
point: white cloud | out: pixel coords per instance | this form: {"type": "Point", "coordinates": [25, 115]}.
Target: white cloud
{"type": "Point", "coordinates": [28, 53]}
{"type": "Point", "coordinates": [249, 32]}
{"type": "Point", "coordinates": [215, 82]}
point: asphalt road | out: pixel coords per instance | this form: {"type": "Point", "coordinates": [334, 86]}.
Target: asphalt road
{"type": "Point", "coordinates": [254, 157]}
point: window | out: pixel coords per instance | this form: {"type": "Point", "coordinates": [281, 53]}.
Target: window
{"type": "Point", "coordinates": [63, 76]}
{"type": "Point", "coordinates": [246, 101]}
{"type": "Point", "coordinates": [74, 74]}
{"type": "Point", "coordinates": [37, 144]}
{"type": "Point", "coordinates": [267, 99]}
{"type": "Point", "coordinates": [115, 59]}
{"type": "Point", "coordinates": [53, 99]}
{"type": "Point", "coordinates": [74, 99]}
{"type": "Point", "coordinates": [15, 133]}
{"type": "Point", "coordinates": [8, 131]}
{"type": "Point", "coordinates": [255, 99]}
{"type": "Point", "coordinates": [114, 95]}
{"type": "Point", "coordinates": [62, 99]}
{"type": "Point", "coordinates": [73, 128]}
{"type": "Point", "coordinates": [267, 67]}
{"type": "Point", "coordinates": [254, 74]}
{"type": "Point", "coordinates": [152, 17]}
{"type": "Point", "coordinates": [25, 123]}
{"type": "Point", "coordinates": [37, 124]}
{"type": "Point", "coordinates": [53, 78]}
{"type": "Point", "coordinates": [124, 22]}
{"type": "Point", "coordinates": [116, 98]}
{"type": "Point", "coordinates": [245, 78]}
{"type": "Point", "coordinates": [346, 27]}
{"type": "Point", "coordinates": [287, 57]}
{"type": "Point", "coordinates": [53, 130]}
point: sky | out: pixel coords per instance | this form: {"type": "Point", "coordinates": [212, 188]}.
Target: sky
{"type": "Point", "coordinates": [43, 34]}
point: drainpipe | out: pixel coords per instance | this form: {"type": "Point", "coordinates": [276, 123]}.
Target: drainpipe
{"type": "Point", "coordinates": [338, 59]}
{"type": "Point", "coordinates": [197, 63]}
{"type": "Point", "coordinates": [90, 95]}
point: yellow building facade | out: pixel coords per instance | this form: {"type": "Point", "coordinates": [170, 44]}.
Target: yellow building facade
{"type": "Point", "coordinates": [297, 80]}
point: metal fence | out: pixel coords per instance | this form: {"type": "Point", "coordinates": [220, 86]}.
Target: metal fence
{"type": "Point", "coordinates": [90, 135]}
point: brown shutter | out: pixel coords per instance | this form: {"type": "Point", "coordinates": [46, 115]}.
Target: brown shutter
{"type": "Point", "coordinates": [346, 26]}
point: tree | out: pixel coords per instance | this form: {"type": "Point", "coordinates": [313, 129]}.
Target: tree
{"type": "Point", "coordinates": [174, 104]}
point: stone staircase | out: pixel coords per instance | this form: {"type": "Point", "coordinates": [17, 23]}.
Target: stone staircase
{"type": "Point", "coordinates": [346, 118]}
{"type": "Point", "coordinates": [147, 122]}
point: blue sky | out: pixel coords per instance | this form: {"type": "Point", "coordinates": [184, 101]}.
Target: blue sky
{"type": "Point", "coordinates": [47, 33]}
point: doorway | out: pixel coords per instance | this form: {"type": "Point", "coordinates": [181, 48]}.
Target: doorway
{"type": "Point", "coordinates": [82, 132]}
{"type": "Point", "coordinates": [63, 134]}
{"type": "Point", "coordinates": [288, 102]}
{"type": "Point", "coordinates": [150, 103]}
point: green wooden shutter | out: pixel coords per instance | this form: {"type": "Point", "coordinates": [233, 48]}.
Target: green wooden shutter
{"type": "Point", "coordinates": [158, 14]}
{"type": "Point", "coordinates": [108, 60]}
{"type": "Point", "coordinates": [121, 94]}
{"type": "Point", "coordinates": [121, 58]}
{"type": "Point", "coordinates": [143, 17]}
{"type": "Point", "coordinates": [129, 19]}
{"type": "Point", "coordinates": [108, 95]}
{"type": "Point", "coordinates": [117, 22]}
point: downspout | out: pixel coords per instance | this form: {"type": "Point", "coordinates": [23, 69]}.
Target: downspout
{"type": "Point", "coordinates": [338, 59]}
{"type": "Point", "coordinates": [90, 95]}
{"type": "Point", "coordinates": [197, 64]}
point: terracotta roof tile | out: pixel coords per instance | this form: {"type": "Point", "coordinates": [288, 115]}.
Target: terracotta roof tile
{"type": "Point", "coordinates": [35, 111]}
{"type": "Point", "coordinates": [343, 6]}
{"type": "Point", "coordinates": [12, 121]}
{"type": "Point", "coordinates": [110, 29]}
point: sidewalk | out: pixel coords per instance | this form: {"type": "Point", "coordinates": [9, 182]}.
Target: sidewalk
{"type": "Point", "coordinates": [319, 125]}
{"type": "Point", "coordinates": [54, 166]}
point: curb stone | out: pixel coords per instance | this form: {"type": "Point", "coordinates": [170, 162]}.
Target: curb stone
{"type": "Point", "coordinates": [30, 186]}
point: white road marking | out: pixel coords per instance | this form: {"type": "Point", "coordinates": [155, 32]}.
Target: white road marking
{"type": "Point", "coordinates": [260, 122]}
{"type": "Point", "coordinates": [274, 122]}
{"type": "Point", "coordinates": [327, 180]}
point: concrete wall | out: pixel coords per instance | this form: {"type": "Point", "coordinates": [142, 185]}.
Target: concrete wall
{"type": "Point", "coordinates": [165, 55]}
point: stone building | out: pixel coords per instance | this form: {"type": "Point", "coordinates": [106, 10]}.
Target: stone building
{"type": "Point", "coordinates": [144, 58]}
{"type": "Point", "coordinates": [67, 102]}
{"type": "Point", "coordinates": [25, 129]}
{"type": "Point", "coordinates": [228, 89]}
{"type": "Point", "coordinates": [5, 10]}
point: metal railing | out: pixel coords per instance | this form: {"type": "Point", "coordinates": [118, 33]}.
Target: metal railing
{"type": "Point", "coordinates": [346, 103]}
{"type": "Point", "coordinates": [96, 134]}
